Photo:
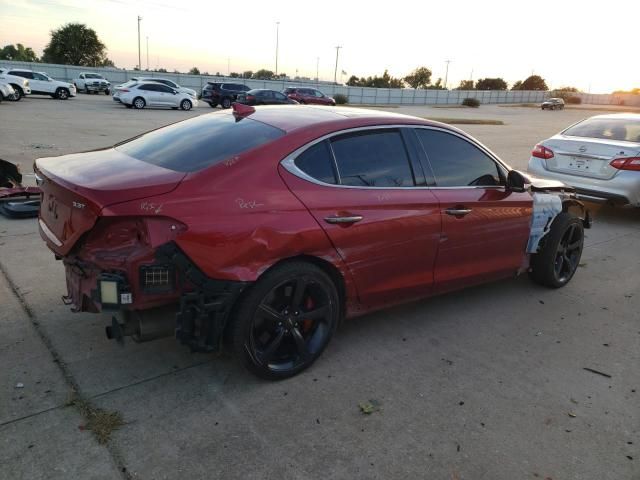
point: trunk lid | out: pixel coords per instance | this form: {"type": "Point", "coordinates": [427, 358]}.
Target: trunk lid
{"type": "Point", "coordinates": [75, 189]}
{"type": "Point", "coordinates": [587, 157]}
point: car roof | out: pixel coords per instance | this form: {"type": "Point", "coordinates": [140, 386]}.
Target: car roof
{"type": "Point", "coordinates": [294, 117]}
{"type": "Point", "coordinates": [19, 70]}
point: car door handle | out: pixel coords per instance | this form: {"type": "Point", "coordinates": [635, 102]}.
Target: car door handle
{"type": "Point", "coordinates": [457, 212]}
{"type": "Point", "coordinates": [349, 219]}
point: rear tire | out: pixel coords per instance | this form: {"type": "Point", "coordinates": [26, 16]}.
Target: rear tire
{"type": "Point", "coordinates": [226, 103]}
{"type": "Point", "coordinates": [19, 93]}
{"type": "Point", "coordinates": [139, 103]}
{"type": "Point", "coordinates": [213, 105]}
{"type": "Point", "coordinates": [285, 320]}
{"type": "Point", "coordinates": [559, 255]}
{"type": "Point", "coordinates": [107, 92]}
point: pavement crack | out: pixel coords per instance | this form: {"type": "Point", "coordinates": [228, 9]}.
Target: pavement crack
{"type": "Point", "coordinates": [81, 403]}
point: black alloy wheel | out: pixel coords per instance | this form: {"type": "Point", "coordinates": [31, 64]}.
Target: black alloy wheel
{"type": "Point", "coordinates": [286, 320]}
{"type": "Point", "coordinates": [559, 255]}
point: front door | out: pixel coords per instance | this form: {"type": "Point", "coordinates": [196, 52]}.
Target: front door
{"type": "Point", "coordinates": [485, 227]}
{"type": "Point", "coordinates": [384, 228]}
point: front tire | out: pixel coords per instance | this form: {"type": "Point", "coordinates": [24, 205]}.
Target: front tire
{"type": "Point", "coordinates": [285, 321]}
{"type": "Point", "coordinates": [559, 256]}
{"type": "Point", "coordinates": [139, 103]}
{"type": "Point", "coordinates": [62, 94]}
{"type": "Point", "coordinates": [186, 105]}
{"type": "Point", "coordinates": [107, 92]}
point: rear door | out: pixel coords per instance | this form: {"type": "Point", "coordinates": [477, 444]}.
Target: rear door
{"type": "Point", "coordinates": [485, 227]}
{"type": "Point", "coordinates": [364, 188]}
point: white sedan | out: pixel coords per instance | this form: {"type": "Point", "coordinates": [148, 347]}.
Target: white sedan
{"type": "Point", "coordinates": [152, 94]}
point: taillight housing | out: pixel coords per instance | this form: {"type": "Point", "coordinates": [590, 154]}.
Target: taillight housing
{"type": "Point", "coordinates": [540, 151]}
{"type": "Point", "coordinates": [629, 163]}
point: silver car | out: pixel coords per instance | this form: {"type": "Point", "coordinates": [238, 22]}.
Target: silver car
{"type": "Point", "coordinates": [599, 156]}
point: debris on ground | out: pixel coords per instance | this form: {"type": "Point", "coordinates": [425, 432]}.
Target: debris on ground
{"type": "Point", "coordinates": [16, 200]}
{"type": "Point", "coordinates": [19, 385]}
{"type": "Point", "coordinates": [597, 372]}
{"type": "Point", "coordinates": [572, 415]}
{"type": "Point", "coordinates": [367, 408]}
{"type": "Point", "coordinates": [101, 422]}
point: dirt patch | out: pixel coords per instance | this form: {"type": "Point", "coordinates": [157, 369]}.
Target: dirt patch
{"type": "Point", "coordinates": [102, 423]}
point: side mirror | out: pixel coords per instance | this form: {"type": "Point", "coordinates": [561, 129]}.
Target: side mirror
{"type": "Point", "coordinates": [515, 181]}
{"type": "Point", "coordinates": [175, 92]}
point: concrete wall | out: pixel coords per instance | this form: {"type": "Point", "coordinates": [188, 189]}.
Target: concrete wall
{"type": "Point", "coordinates": [356, 95]}
{"type": "Point", "coordinates": [627, 99]}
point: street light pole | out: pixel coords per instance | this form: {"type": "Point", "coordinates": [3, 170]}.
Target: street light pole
{"type": "Point", "coordinates": [139, 57]}
{"type": "Point", "coordinates": [147, 53]}
{"type": "Point", "coordinates": [317, 70]}
{"type": "Point", "coordinates": [277, 44]}
{"type": "Point", "coordinates": [446, 75]}
{"type": "Point", "coordinates": [335, 72]}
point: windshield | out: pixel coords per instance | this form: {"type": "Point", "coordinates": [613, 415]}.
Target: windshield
{"type": "Point", "coordinates": [619, 129]}
{"type": "Point", "coordinates": [93, 75]}
{"type": "Point", "coordinates": [199, 142]}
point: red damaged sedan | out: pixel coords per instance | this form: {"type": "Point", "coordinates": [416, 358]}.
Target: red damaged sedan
{"type": "Point", "coordinates": [263, 228]}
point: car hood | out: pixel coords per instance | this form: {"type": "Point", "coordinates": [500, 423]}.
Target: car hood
{"type": "Point", "coordinates": [545, 184]}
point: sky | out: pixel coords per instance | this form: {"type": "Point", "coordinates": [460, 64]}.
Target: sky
{"type": "Point", "coordinates": [567, 42]}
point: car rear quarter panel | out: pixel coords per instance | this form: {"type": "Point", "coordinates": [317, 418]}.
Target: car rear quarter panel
{"type": "Point", "coordinates": [241, 219]}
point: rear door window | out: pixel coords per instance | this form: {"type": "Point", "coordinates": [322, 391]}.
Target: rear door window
{"type": "Point", "coordinates": [456, 162]}
{"type": "Point", "coordinates": [199, 142]}
{"type": "Point", "coordinates": [316, 162]}
{"type": "Point", "coordinates": [373, 159]}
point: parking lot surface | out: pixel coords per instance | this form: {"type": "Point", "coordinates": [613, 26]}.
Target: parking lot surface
{"type": "Point", "coordinates": [486, 383]}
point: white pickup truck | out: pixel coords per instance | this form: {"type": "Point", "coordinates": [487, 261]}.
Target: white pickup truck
{"type": "Point", "coordinates": [43, 84]}
{"type": "Point", "coordinates": [92, 82]}
{"type": "Point", "coordinates": [20, 84]}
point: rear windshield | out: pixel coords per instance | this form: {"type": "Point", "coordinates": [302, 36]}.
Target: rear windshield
{"type": "Point", "coordinates": [620, 129]}
{"type": "Point", "coordinates": [199, 142]}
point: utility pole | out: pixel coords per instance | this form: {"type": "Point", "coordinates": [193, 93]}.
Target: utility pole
{"type": "Point", "coordinates": [277, 44]}
{"type": "Point", "coordinates": [228, 66]}
{"type": "Point", "coordinates": [147, 52]}
{"type": "Point", "coordinates": [317, 70]}
{"type": "Point", "coordinates": [335, 72]}
{"type": "Point", "coordinates": [139, 57]}
{"type": "Point", "coordinates": [446, 75]}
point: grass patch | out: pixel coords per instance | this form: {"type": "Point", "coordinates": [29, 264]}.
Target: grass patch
{"type": "Point", "coordinates": [465, 121]}
{"type": "Point", "coordinates": [102, 423]}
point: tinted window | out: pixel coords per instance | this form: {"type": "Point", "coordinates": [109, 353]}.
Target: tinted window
{"type": "Point", "coordinates": [22, 74]}
{"type": "Point", "coordinates": [39, 76]}
{"type": "Point", "coordinates": [279, 96]}
{"type": "Point", "coordinates": [456, 162]}
{"type": "Point", "coordinates": [164, 88]}
{"type": "Point", "coordinates": [317, 163]}
{"type": "Point", "coordinates": [199, 142]}
{"type": "Point", "coordinates": [92, 75]}
{"type": "Point", "coordinates": [148, 87]}
{"type": "Point", "coordinates": [624, 129]}
{"type": "Point", "coordinates": [318, 94]}
{"type": "Point", "coordinates": [373, 159]}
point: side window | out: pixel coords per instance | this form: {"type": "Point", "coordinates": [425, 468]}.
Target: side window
{"type": "Point", "coordinates": [147, 87]}
{"type": "Point", "coordinates": [373, 159]}
{"type": "Point", "coordinates": [457, 162]}
{"type": "Point", "coordinates": [22, 74]}
{"type": "Point", "coordinates": [82, 75]}
{"type": "Point", "coordinates": [316, 162]}
{"type": "Point", "coordinates": [279, 96]}
{"type": "Point", "coordinates": [164, 88]}
{"type": "Point", "coordinates": [318, 94]}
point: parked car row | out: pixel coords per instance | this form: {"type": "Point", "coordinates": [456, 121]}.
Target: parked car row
{"type": "Point", "coordinates": [224, 94]}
